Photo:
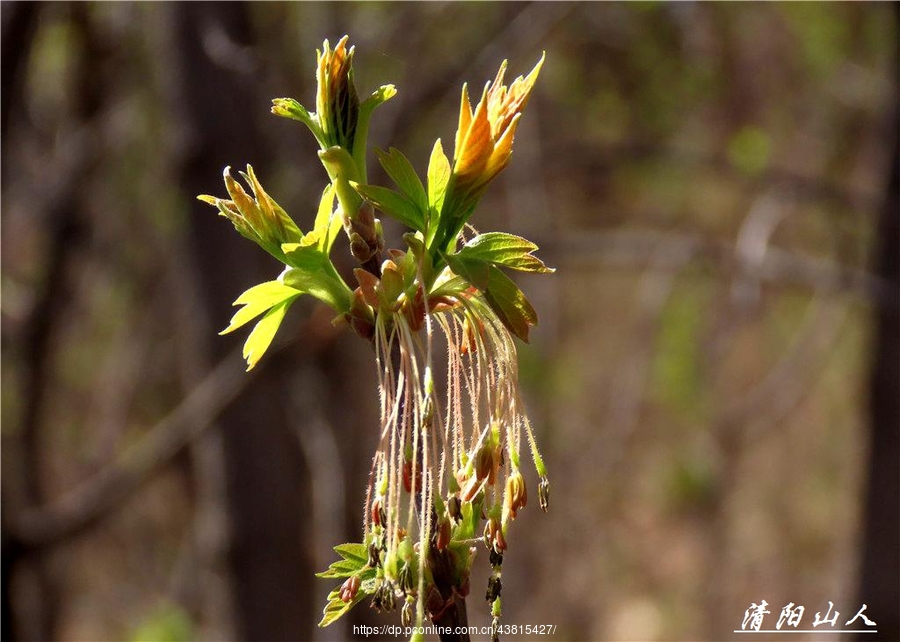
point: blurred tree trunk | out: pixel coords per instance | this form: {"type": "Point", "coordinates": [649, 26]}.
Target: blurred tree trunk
{"type": "Point", "coordinates": [880, 582]}
{"type": "Point", "coordinates": [18, 26]}
{"type": "Point", "coordinates": [266, 482]}
{"type": "Point", "coordinates": [63, 216]}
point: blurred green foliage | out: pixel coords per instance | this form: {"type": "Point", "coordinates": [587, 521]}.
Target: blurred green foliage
{"type": "Point", "coordinates": [168, 623]}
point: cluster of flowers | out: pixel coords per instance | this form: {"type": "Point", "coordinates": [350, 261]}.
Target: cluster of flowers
{"type": "Point", "coordinates": [445, 462]}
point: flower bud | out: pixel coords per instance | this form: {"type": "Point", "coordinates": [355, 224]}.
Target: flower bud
{"type": "Point", "coordinates": [369, 285]}
{"type": "Point", "coordinates": [350, 588]}
{"type": "Point", "coordinates": [494, 588]}
{"type": "Point", "coordinates": [405, 578]}
{"type": "Point", "coordinates": [454, 508]}
{"type": "Point", "coordinates": [496, 462]}
{"type": "Point", "coordinates": [406, 615]}
{"type": "Point", "coordinates": [493, 535]}
{"type": "Point", "coordinates": [374, 555]}
{"type": "Point", "coordinates": [544, 494]}
{"type": "Point", "coordinates": [379, 517]}
{"type": "Point", "coordinates": [408, 477]}
{"type": "Point", "coordinates": [484, 462]}
{"type": "Point", "coordinates": [516, 494]}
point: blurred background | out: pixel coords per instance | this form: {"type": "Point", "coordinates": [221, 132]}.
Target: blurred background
{"type": "Point", "coordinates": [714, 377]}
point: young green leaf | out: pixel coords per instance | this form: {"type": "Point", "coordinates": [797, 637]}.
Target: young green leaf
{"type": "Point", "coordinates": [438, 176]}
{"type": "Point", "coordinates": [261, 337]}
{"type": "Point", "coordinates": [504, 249]}
{"type": "Point", "coordinates": [504, 296]}
{"type": "Point", "coordinates": [404, 176]}
{"type": "Point", "coordinates": [393, 204]}
{"type": "Point", "coordinates": [472, 269]}
{"type": "Point", "coordinates": [379, 96]}
{"type": "Point", "coordinates": [354, 558]}
{"type": "Point", "coordinates": [257, 300]}
{"type": "Point", "coordinates": [320, 280]}
{"type": "Point", "coordinates": [328, 221]}
{"type": "Point", "coordinates": [337, 608]}
{"type": "Point", "coordinates": [510, 304]}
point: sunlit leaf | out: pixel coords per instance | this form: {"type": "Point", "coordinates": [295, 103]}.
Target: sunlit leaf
{"type": "Point", "coordinates": [321, 281]}
{"type": "Point", "coordinates": [500, 292]}
{"type": "Point", "coordinates": [354, 561]}
{"type": "Point", "coordinates": [507, 250]}
{"type": "Point", "coordinates": [510, 304]}
{"type": "Point", "coordinates": [328, 222]}
{"type": "Point", "coordinates": [261, 337]}
{"type": "Point", "coordinates": [353, 558]}
{"type": "Point", "coordinates": [438, 176]}
{"type": "Point", "coordinates": [337, 608]}
{"type": "Point", "coordinates": [473, 270]}
{"type": "Point", "coordinates": [257, 300]}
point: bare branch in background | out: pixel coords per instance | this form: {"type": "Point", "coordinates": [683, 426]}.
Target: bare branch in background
{"type": "Point", "coordinates": [90, 502]}
{"type": "Point", "coordinates": [627, 249]}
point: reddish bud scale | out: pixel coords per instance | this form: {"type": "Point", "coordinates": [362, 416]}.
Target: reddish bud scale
{"type": "Point", "coordinates": [414, 311]}
{"type": "Point", "coordinates": [368, 285]}
{"type": "Point", "coordinates": [443, 535]}
{"type": "Point", "coordinates": [469, 342]}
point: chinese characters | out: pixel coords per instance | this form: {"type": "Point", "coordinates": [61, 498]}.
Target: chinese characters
{"type": "Point", "coordinates": [791, 616]}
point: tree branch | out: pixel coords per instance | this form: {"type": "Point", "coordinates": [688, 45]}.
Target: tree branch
{"type": "Point", "coordinates": [110, 488]}
{"type": "Point", "coordinates": [636, 249]}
